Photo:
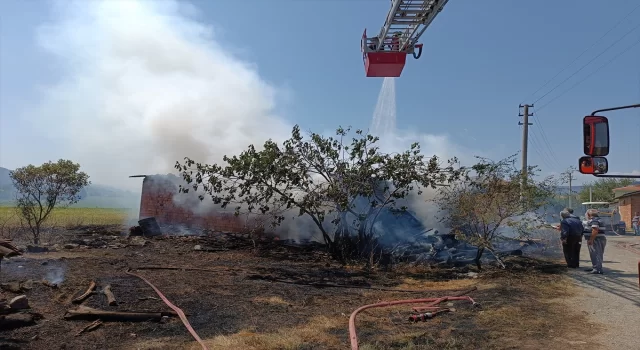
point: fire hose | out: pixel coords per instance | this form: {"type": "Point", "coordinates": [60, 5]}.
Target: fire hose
{"type": "Point", "coordinates": [427, 315]}
{"type": "Point", "coordinates": [179, 311]}
{"type": "Point", "coordinates": [432, 302]}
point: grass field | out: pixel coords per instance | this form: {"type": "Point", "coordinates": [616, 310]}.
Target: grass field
{"type": "Point", "coordinates": [70, 217]}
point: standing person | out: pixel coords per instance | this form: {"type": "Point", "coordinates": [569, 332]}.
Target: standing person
{"type": "Point", "coordinates": [570, 210]}
{"type": "Point", "coordinates": [571, 236]}
{"type": "Point", "coordinates": [596, 241]}
{"type": "Point", "coordinates": [636, 224]}
{"type": "Point", "coordinates": [395, 41]}
{"type": "Point", "coordinates": [375, 42]}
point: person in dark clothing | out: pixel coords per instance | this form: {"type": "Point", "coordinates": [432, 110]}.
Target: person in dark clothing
{"type": "Point", "coordinates": [570, 211]}
{"type": "Point", "coordinates": [375, 42]}
{"type": "Point", "coordinates": [571, 236]}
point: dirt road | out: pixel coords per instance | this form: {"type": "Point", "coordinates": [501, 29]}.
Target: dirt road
{"type": "Point", "coordinates": [613, 299]}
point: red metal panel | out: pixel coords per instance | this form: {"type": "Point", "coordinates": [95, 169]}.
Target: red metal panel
{"type": "Point", "coordinates": [384, 64]}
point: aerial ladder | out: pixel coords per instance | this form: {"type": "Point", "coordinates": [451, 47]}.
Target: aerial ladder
{"type": "Point", "coordinates": [385, 55]}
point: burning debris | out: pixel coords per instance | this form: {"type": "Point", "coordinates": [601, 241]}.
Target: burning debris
{"type": "Point", "coordinates": [446, 249]}
{"type": "Point", "coordinates": [399, 236]}
{"type": "Point", "coordinates": [150, 227]}
{"type": "Point", "coordinates": [405, 239]}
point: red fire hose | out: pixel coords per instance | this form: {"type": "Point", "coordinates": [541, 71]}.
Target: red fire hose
{"type": "Point", "coordinates": [432, 302]}
{"type": "Point", "coordinates": [180, 313]}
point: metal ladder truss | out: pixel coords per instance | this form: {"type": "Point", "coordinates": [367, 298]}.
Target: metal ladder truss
{"type": "Point", "coordinates": [410, 18]}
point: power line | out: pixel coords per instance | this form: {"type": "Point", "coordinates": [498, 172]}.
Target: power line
{"type": "Point", "coordinates": [588, 63]}
{"type": "Point", "coordinates": [544, 137]}
{"type": "Point", "coordinates": [539, 151]}
{"type": "Point", "coordinates": [583, 52]}
{"type": "Point", "coordinates": [537, 148]}
{"type": "Point", "coordinates": [592, 73]}
{"type": "Point", "coordinates": [551, 161]}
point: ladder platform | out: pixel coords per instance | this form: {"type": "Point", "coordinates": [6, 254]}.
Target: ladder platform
{"type": "Point", "coordinates": [385, 64]}
{"type": "Point", "coordinates": [385, 54]}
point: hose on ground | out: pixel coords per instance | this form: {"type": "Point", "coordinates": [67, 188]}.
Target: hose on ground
{"type": "Point", "coordinates": [179, 311]}
{"type": "Point", "coordinates": [353, 336]}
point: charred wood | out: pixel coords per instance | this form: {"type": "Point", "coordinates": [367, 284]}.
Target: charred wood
{"type": "Point", "coordinates": [90, 314]}
{"type": "Point", "coordinates": [111, 299]}
{"type": "Point", "coordinates": [85, 295]}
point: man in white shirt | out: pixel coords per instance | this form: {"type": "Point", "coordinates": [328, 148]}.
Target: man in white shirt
{"type": "Point", "coordinates": [635, 223]}
{"type": "Point", "coordinates": [596, 240]}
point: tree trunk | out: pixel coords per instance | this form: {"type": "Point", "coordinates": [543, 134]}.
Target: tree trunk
{"type": "Point", "coordinates": [478, 256]}
{"type": "Point", "coordinates": [36, 234]}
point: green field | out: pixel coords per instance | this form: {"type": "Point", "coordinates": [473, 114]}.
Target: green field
{"type": "Point", "coordinates": [71, 217]}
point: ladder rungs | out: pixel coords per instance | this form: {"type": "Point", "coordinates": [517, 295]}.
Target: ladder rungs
{"type": "Point", "coordinates": [408, 22]}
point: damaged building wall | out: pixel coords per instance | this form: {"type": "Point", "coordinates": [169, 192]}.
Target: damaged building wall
{"type": "Point", "coordinates": [160, 199]}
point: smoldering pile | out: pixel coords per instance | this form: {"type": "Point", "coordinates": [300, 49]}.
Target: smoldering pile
{"type": "Point", "coordinates": [405, 239]}
{"type": "Point", "coordinates": [445, 249]}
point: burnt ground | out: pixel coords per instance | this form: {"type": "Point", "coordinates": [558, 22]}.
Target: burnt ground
{"type": "Point", "coordinates": [258, 297]}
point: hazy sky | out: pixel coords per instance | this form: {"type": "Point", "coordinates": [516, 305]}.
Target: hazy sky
{"type": "Point", "coordinates": [128, 87]}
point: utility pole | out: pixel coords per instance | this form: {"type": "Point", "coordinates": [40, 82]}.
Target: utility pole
{"type": "Point", "coordinates": [568, 176]}
{"type": "Point", "coordinates": [525, 145]}
{"type": "Point", "coordinates": [570, 189]}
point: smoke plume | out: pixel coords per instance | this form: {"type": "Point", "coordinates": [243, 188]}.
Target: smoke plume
{"type": "Point", "coordinates": [144, 85]}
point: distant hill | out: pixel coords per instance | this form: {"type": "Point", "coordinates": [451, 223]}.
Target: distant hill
{"type": "Point", "coordinates": [4, 177]}
{"type": "Point", "coordinates": [92, 196]}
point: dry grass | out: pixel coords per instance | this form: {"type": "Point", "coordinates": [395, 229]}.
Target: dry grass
{"type": "Point", "coordinates": [316, 331]}
{"type": "Point", "coordinates": [12, 227]}
{"type": "Point", "coordinates": [523, 311]}
{"type": "Point", "coordinates": [531, 313]}
{"type": "Point", "coordinates": [519, 311]}
{"type": "Point", "coordinates": [522, 305]}
{"type": "Point", "coordinates": [422, 284]}
{"type": "Point", "coordinates": [273, 300]}
{"type": "Point", "coordinates": [69, 217]}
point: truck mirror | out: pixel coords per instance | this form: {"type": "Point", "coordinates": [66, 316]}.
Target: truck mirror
{"type": "Point", "coordinates": [593, 165]}
{"type": "Point", "coordinates": [596, 136]}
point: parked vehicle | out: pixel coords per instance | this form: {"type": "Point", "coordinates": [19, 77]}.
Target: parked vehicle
{"type": "Point", "coordinates": [608, 214]}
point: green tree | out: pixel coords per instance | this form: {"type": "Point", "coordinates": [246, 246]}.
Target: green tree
{"type": "Point", "coordinates": [602, 189]}
{"type": "Point", "coordinates": [42, 188]}
{"type": "Point", "coordinates": [481, 206]}
{"type": "Point", "coordinates": [322, 178]}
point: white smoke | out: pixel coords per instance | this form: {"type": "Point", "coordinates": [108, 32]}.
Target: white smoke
{"type": "Point", "coordinates": [383, 125]}
{"type": "Point", "coordinates": [145, 85]}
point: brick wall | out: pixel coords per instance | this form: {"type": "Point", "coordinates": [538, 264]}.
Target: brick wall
{"type": "Point", "coordinates": [156, 200]}
{"type": "Point", "coordinates": [628, 206]}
